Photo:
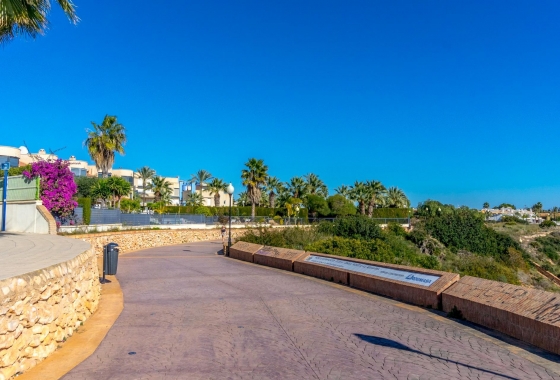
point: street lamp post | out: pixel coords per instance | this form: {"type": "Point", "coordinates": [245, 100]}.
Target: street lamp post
{"type": "Point", "coordinates": [230, 191]}
{"type": "Point", "coordinates": [6, 168]}
{"type": "Point", "coordinates": [297, 214]}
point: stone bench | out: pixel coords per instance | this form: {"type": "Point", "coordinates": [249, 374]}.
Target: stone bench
{"type": "Point", "coordinates": [281, 258]}
{"type": "Point", "coordinates": [244, 251]}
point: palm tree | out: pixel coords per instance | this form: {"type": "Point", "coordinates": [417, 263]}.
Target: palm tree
{"type": "Point", "coordinates": [360, 194]}
{"type": "Point", "coordinates": [243, 198]}
{"type": "Point", "coordinates": [161, 188]}
{"type": "Point", "coordinates": [100, 191]}
{"type": "Point", "coordinates": [316, 186]}
{"type": "Point", "coordinates": [486, 205]}
{"type": "Point", "coordinates": [119, 188]}
{"type": "Point", "coordinates": [215, 187]}
{"type": "Point", "coordinates": [273, 185]}
{"type": "Point", "coordinates": [253, 178]}
{"type": "Point", "coordinates": [284, 195]}
{"type": "Point", "coordinates": [194, 200]}
{"type": "Point", "coordinates": [29, 17]}
{"type": "Point", "coordinates": [555, 210]}
{"type": "Point", "coordinates": [343, 190]}
{"type": "Point", "coordinates": [396, 198]}
{"type": "Point", "coordinates": [297, 187]}
{"type": "Point", "coordinates": [103, 141]}
{"type": "Point", "coordinates": [375, 190]}
{"type": "Point", "coordinates": [201, 177]}
{"type": "Point", "coordinates": [145, 173]}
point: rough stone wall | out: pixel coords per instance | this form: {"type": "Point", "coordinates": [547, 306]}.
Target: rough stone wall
{"type": "Point", "coordinates": [135, 240]}
{"type": "Point", "coordinates": [40, 309]}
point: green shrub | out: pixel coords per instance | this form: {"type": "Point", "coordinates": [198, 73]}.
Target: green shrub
{"type": "Point", "coordinates": [482, 267]}
{"type": "Point", "coordinates": [549, 245]}
{"type": "Point", "coordinates": [203, 210]}
{"type": "Point", "coordinates": [85, 203]}
{"type": "Point", "coordinates": [356, 227]}
{"type": "Point", "coordinates": [396, 229]}
{"type": "Point", "coordinates": [16, 170]}
{"type": "Point", "coordinates": [387, 212]}
{"type": "Point", "coordinates": [340, 206]}
{"type": "Point", "coordinates": [296, 237]}
{"type": "Point", "coordinates": [513, 219]}
{"type": "Point", "coordinates": [390, 249]}
{"type": "Point", "coordinates": [417, 236]}
{"type": "Point", "coordinates": [547, 223]}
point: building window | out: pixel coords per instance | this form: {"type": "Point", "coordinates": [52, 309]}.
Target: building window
{"type": "Point", "coordinates": [14, 161]}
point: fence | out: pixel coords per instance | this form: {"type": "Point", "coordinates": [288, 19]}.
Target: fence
{"type": "Point", "coordinates": [377, 220]}
{"type": "Point", "coordinates": [21, 189]}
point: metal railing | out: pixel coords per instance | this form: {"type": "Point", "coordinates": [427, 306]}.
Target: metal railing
{"type": "Point", "coordinates": [376, 220]}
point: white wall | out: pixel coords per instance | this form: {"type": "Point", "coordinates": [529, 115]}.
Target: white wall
{"type": "Point", "coordinates": [23, 216]}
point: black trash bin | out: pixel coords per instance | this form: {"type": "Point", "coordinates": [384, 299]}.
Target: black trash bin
{"type": "Point", "coordinates": [110, 259]}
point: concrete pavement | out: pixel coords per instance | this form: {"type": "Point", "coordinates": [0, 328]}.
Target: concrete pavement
{"type": "Point", "coordinates": [190, 314]}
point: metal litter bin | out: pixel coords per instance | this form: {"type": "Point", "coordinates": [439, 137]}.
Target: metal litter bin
{"type": "Point", "coordinates": [110, 259]}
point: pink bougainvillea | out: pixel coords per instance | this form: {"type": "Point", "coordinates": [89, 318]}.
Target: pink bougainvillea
{"type": "Point", "coordinates": [57, 186]}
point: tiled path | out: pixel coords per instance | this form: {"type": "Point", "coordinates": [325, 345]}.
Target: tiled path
{"type": "Point", "coordinates": [190, 314]}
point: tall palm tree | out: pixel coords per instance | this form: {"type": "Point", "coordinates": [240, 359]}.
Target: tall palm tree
{"type": "Point", "coordinates": [343, 190]}
{"type": "Point", "coordinates": [396, 198]}
{"type": "Point", "coordinates": [297, 187]}
{"type": "Point", "coordinates": [273, 185]}
{"type": "Point", "coordinates": [161, 188]}
{"type": "Point", "coordinates": [376, 191]}
{"type": "Point", "coordinates": [29, 17]}
{"type": "Point", "coordinates": [316, 186]}
{"type": "Point", "coordinates": [215, 187]}
{"type": "Point", "coordinates": [103, 141]}
{"type": "Point", "coordinates": [200, 178]}
{"type": "Point", "coordinates": [145, 173]}
{"type": "Point", "coordinates": [253, 178]}
{"type": "Point", "coordinates": [360, 194]}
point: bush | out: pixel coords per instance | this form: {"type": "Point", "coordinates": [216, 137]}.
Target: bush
{"type": "Point", "coordinates": [203, 210]}
{"type": "Point", "coordinates": [340, 206]}
{"type": "Point", "coordinates": [356, 227]}
{"type": "Point", "coordinates": [417, 236]}
{"type": "Point", "coordinates": [387, 212]}
{"type": "Point", "coordinates": [465, 229]}
{"type": "Point", "coordinates": [18, 170]}
{"type": "Point", "coordinates": [388, 250]}
{"type": "Point", "coordinates": [547, 223]}
{"type": "Point", "coordinates": [396, 229]}
{"type": "Point", "coordinates": [513, 219]}
{"type": "Point", "coordinates": [296, 238]}
{"type": "Point", "coordinates": [482, 267]}
{"type": "Point", "coordinates": [85, 203]}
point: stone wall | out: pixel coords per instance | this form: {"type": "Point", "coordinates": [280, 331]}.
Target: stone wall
{"type": "Point", "coordinates": [41, 309]}
{"type": "Point", "coordinates": [135, 240]}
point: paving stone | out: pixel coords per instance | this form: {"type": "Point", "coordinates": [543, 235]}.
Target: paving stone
{"type": "Point", "coordinates": [191, 314]}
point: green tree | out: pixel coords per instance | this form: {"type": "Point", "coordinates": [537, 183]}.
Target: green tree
{"type": "Point", "coordinates": [254, 177]}
{"type": "Point", "coordinates": [297, 187]}
{"type": "Point", "coordinates": [201, 177]}
{"type": "Point", "coordinates": [104, 141]}
{"type": "Point", "coordinates": [317, 205]}
{"type": "Point", "coordinates": [161, 188]}
{"type": "Point", "coordinates": [29, 17]}
{"type": "Point", "coordinates": [486, 205]}
{"type": "Point", "coordinates": [100, 192]}
{"type": "Point", "coordinates": [145, 173]}
{"type": "Point", "coordinates": [194, 200]}
{"type": "Point", "coordinates": [130, 205]}
{"type": "Point", "coordinates": [506, 205]}
{"type": "Point", "coordinates": [242, 198]}
{"type": "Point", "coordinates": [537, 207]}
{"type": "Point", "coordinates": [84, 185]}
{"type": "Point", "coordinates": [340, 205]}
{"type": "Point", "coordinates": [375, 190]}
{"type": "Point", "coordinates": [273, 185]}
{"type": "Point", "coordinates": [215, 186]}
{"type": "Point", "coordinates": [316, 186]}
{"type": "Point", "coordinates": [360, 194]}
{"type": "Point", "coordinates": [343, 190]}
{"type": "Point", "coordinates": [396, 198]}
{"type": "Point", "coordinates": [119, 188]}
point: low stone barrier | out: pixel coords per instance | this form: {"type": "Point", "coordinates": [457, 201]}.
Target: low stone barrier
{"type": "Point", "coordinates": [40, 309]}
{"type": "Point", "coordinates": [530, 315]}
{"type": "Point", "coordinates": [135, 240]}
{"type": "Point", "coordinates": [244, 251]}
{"type": "Point", "coordinates": [324, 272]}
{"type": "Point", "coordinates": [281, 258]}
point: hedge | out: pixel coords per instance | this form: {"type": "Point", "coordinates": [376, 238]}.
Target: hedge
{"type": "Point", "coordinates": [85, 203]}
{"type": "Point", "coordinates": [387, 212]}
{"type": "Point", "coordinates": [236, 211]}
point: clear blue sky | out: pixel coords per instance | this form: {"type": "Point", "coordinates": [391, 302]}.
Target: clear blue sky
{"type": "Point", "coordinates": [454, 101]}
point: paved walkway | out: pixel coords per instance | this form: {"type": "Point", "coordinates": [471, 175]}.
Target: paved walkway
{"type": "Point", "coordinates": [22, 253]}
{"type": "Point", "coordinates": [190, 314]}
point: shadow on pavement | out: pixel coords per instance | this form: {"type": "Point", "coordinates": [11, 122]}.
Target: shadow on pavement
{"type": "Point", "coordinates": [396, 345]}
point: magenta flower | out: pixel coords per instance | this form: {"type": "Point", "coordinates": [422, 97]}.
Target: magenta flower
{"type": "Point", "coordinates": [57, 186]}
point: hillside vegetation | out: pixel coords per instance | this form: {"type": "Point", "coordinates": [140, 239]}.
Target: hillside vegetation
{"type": "Point", "coordinates": [457, 240]}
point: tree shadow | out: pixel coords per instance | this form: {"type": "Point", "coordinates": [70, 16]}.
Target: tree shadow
{"type": "Point", "coordinates": [378, 341]}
